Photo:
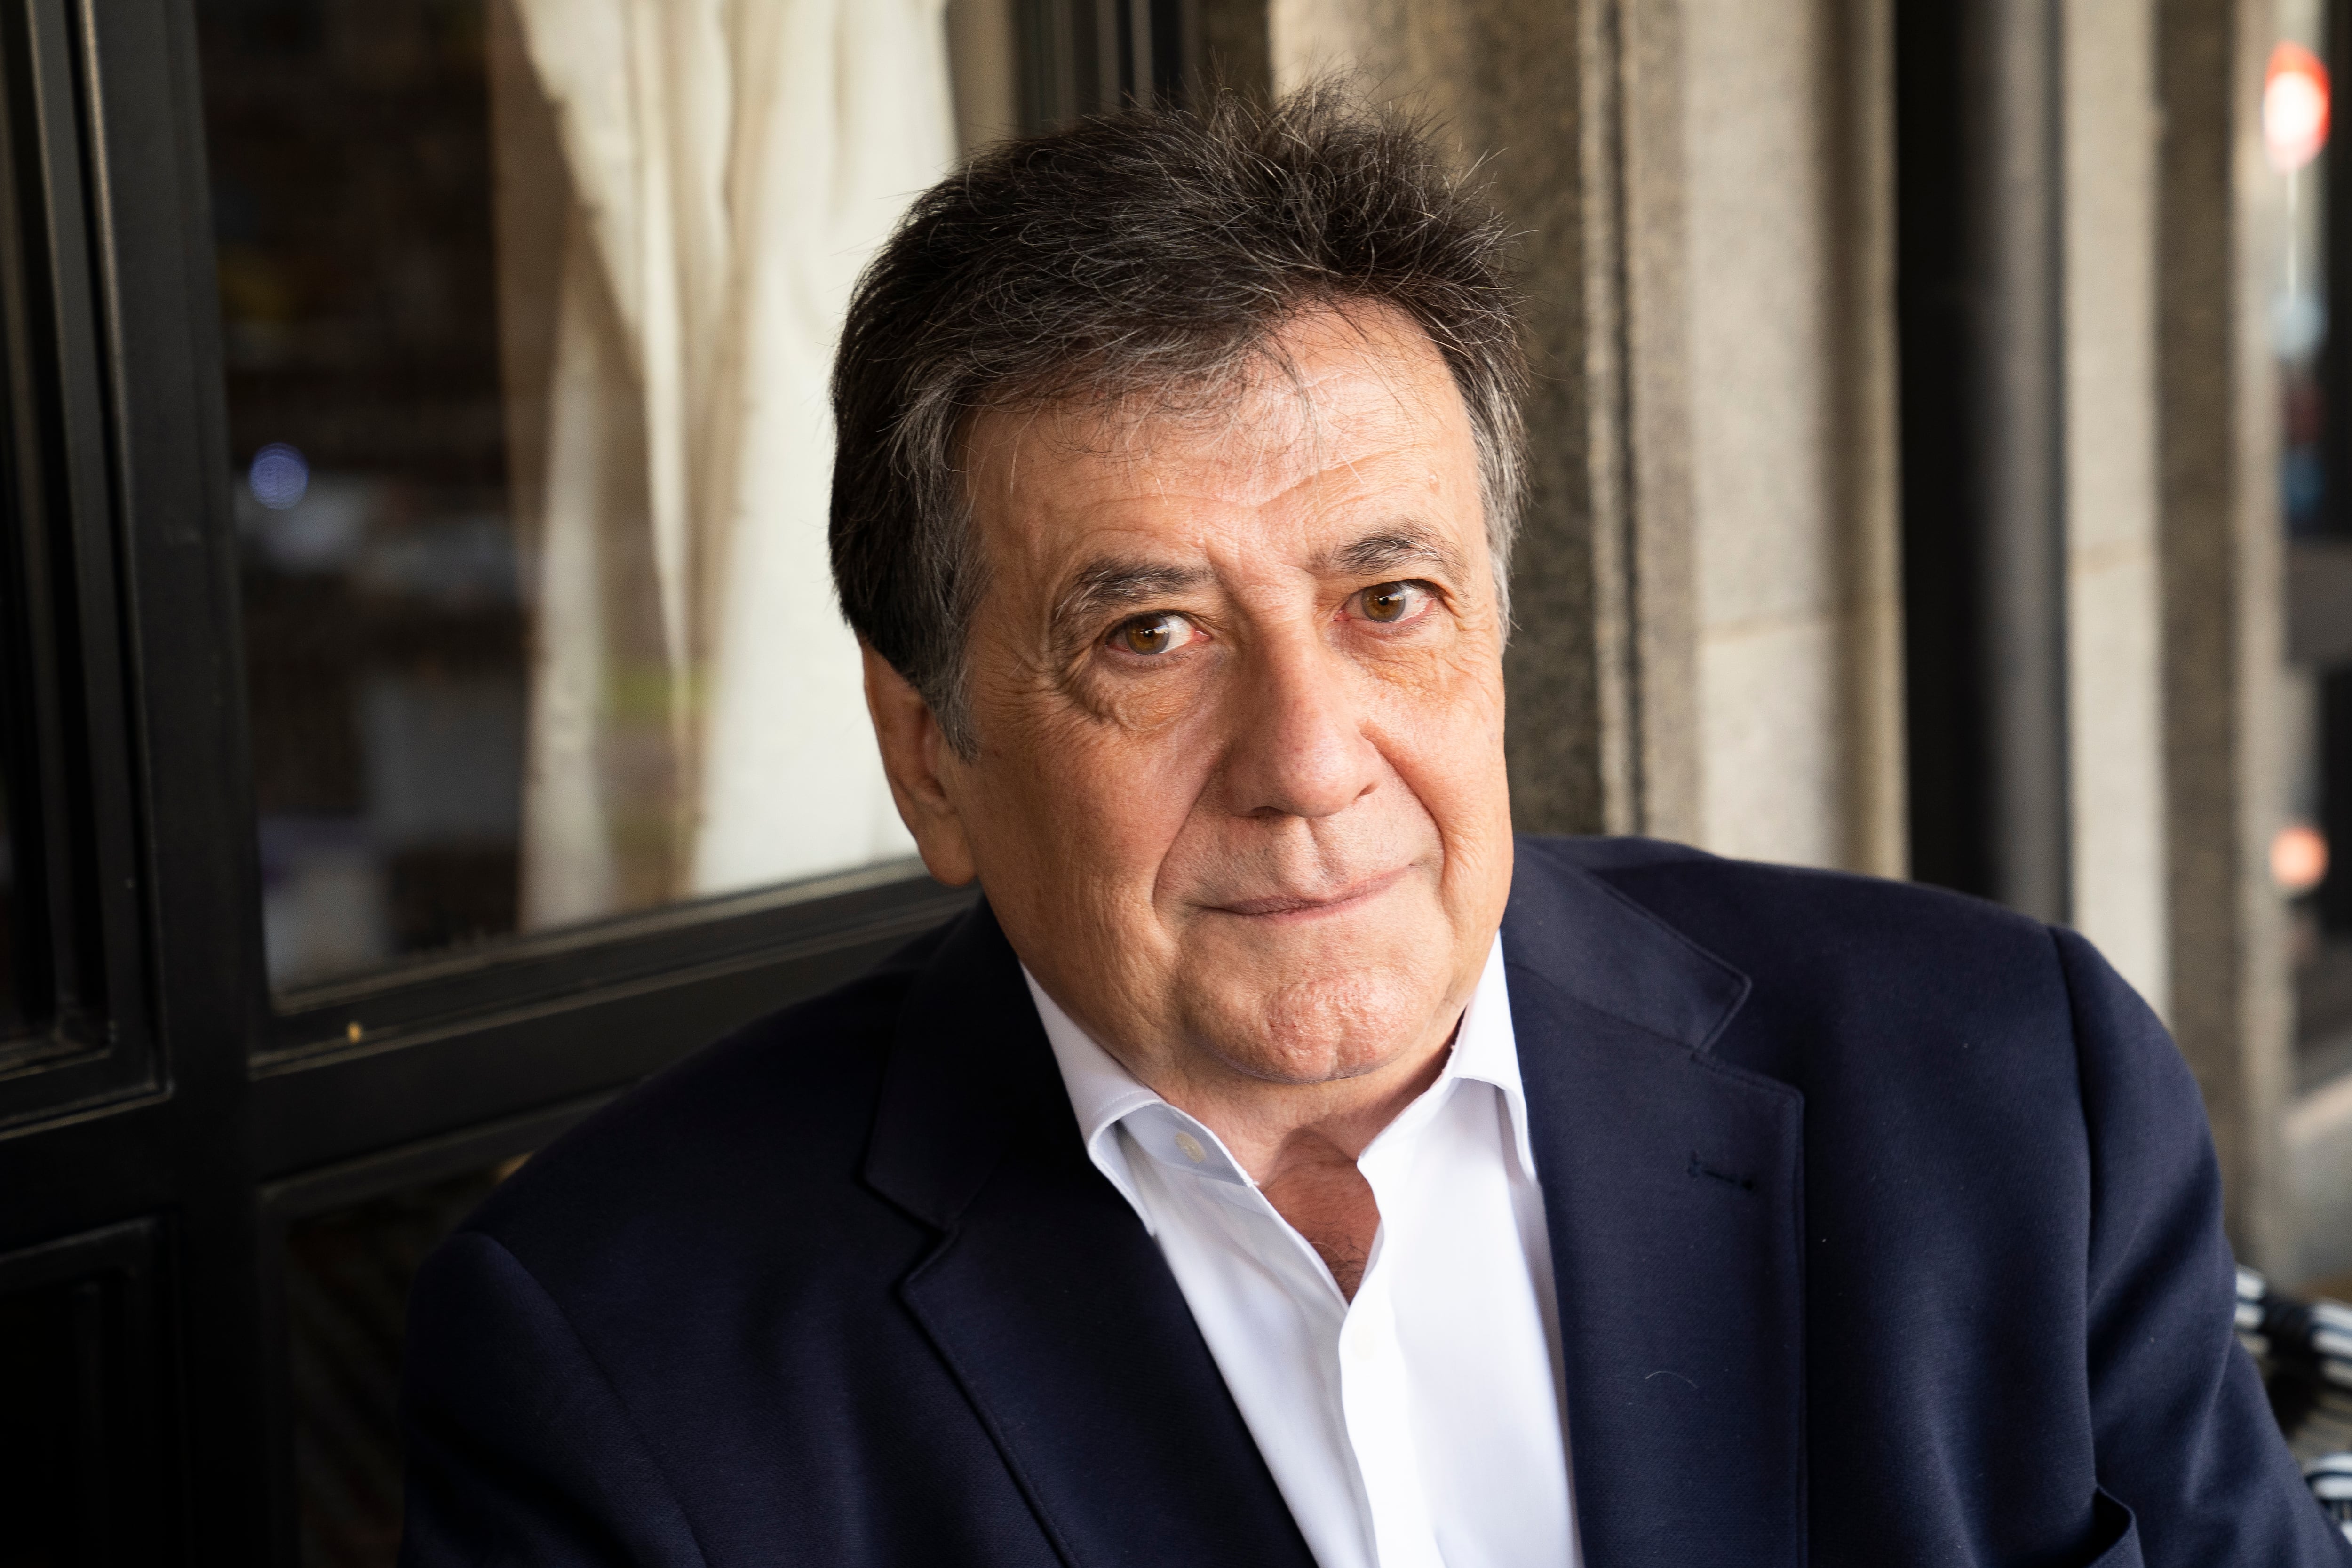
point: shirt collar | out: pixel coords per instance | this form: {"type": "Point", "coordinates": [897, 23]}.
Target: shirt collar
{"type": "Point", "coordinates": [1487, 1048]}
{"type": "Point", "coordinates": [1104, 1094]}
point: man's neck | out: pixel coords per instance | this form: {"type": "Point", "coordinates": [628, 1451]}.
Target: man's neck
{"type": "Point", "coordinates": [1269, 1127]}
{"type": "Point", "coordinates": [1300, 1142]}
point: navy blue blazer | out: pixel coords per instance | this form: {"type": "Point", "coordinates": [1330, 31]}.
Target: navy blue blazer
{"type": "Point", "coordinates": [1886, 1227]}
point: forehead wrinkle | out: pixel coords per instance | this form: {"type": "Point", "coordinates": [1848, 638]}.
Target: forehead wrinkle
{"type": "Point", "coordinates": [1388, 363]}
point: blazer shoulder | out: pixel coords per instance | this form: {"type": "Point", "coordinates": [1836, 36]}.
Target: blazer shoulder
{"type": "Point", "coordinates": [782, 1107]}
{"type": "Point", "coordinates": [1675, 882]}
{"type": "Point", "coordinates": [1860, 980]}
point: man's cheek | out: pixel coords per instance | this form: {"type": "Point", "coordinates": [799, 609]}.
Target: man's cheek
{"type": "Point", "coordinates": [1145, 707]}
{"type": "Point", "coordinates": [1108, 806]}
{"type": "Point", "coordinates": [1442, 716]}
{"type": "Point", "coordinates": [1434, 677]}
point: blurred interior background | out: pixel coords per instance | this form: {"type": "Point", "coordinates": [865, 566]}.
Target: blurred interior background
{"type": "Point", "coordinates": [423, 713]}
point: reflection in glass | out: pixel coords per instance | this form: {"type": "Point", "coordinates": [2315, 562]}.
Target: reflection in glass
{"type": "Point", "coordinates": [348, 1275]}
{"type": "Point", "coordinates": [526, 325]}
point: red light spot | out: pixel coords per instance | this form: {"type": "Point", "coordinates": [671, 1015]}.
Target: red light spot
{"type": "Point", "coordinates": [2295, 107]}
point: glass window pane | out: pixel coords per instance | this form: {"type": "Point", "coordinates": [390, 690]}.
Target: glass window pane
{"type": "Point", "coordinates": [527, 326]}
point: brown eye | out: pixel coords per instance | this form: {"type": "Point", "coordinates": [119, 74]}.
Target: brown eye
{"type": "Point", "coordinates": [1148, 633]}
{"type": "Point", "coordinates": [1387, 600]}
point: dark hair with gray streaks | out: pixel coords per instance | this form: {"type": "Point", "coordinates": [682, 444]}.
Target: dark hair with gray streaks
{"type": "Point", "coordinates": [1154, 253]}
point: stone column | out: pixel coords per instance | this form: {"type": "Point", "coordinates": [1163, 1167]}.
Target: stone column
{"type": "Point", "coordinates": [1787, 192]}
{"type": "Point", "coordinates": [2113, 595]}
{"type": "Point", "coordinates": [2223, 643]}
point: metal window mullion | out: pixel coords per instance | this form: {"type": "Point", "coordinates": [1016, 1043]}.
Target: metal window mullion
{"type": "Point", "coordinates": [62, 512]}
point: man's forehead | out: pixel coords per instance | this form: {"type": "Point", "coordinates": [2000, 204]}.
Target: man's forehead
{"type": "Point", "coordinates": [1356, 419]}
{"type": "Point", "coordinates": [1326, 393]}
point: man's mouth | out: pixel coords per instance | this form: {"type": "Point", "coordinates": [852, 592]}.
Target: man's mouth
{"type": "Point", "coordinates": [1298, 906]}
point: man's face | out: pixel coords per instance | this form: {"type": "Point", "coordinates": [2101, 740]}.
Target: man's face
{"type": "Point", "coordinates": [1239, 798]}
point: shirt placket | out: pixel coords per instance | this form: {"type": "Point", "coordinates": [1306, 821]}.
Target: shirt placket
{"type": "Point", "coordinates": [1373, 1389]}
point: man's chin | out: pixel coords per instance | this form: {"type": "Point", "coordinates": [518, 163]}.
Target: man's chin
{"type": "Point", "coordinates": [1302, 1064]}
{"type": "Point", "coordinates": [1316, 1025]}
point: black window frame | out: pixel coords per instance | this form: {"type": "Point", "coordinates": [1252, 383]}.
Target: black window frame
{"type": "Point", "coordinates": [75, 829]}
{"type": "Point", "coordinates": [174, 1117]}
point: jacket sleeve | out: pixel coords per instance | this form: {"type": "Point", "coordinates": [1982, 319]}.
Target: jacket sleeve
{"type": "Point", "coordinates": [2184, 1432]}
{"type": "Point", "coordinates": [519, 1451]}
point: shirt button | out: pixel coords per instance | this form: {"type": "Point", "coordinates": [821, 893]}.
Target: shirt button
{"type": "Point", "coordinates": [1192, 1147]}
{"type": "Point", "coordinates": [1360, 1348]}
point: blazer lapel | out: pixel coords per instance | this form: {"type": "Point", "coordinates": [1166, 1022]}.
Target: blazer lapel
{"type": "Point", "coordinates": [1047, 1299]}
{"type": "Point", "coordinates": [1673, 1195]}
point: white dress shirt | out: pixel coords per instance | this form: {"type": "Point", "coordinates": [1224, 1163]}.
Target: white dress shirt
{"type": "Point", "coordinates": [1421, 1425]}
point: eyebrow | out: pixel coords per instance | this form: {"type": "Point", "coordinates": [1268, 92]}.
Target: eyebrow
{"type": "Point", "coordinates": [1392, 548]}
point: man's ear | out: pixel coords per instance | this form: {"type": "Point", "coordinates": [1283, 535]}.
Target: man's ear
{"type": "Point", "coordinates": [914, 755]}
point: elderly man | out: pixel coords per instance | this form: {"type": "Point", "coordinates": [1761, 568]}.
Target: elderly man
{"type": "Point", "coordinates": [1280, 1163]}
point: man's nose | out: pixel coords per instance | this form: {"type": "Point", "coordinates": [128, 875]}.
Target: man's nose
{"type": "Point", "coordinates": [1298, 746]}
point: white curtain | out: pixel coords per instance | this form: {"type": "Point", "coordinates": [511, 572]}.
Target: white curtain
{"type": "Point", "coordinates": [698, 724]}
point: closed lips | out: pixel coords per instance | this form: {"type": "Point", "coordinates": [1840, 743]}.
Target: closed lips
{"type": "Point", "coordinates": [1295, 904]}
